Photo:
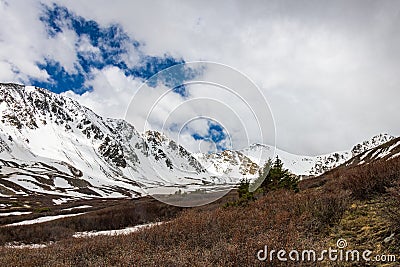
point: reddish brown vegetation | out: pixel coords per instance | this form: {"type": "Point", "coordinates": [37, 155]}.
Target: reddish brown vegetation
{"type": "Point", "coordinates": [220, 237]}
{"type": "Point", "coordinates": [366, 181]}
{"type": "Point", "coordinates": [119, 216]}
{"type": "Point", "coordinates": [393, 208]}
{"type": "Point", "coordinates": [227, 236]}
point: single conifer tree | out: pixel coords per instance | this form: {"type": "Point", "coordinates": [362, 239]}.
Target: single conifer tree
{"type": "Point", "coordinates": [278, 177]}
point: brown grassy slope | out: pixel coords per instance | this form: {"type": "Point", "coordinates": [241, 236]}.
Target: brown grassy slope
{"type": "Point", "coordinates": [103, 215]}
{"type": "Point", "coordinates": [313, 218]}
{"type": "Point", "coordinates": [110, 215]}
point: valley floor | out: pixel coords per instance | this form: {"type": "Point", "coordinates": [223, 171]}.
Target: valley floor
{"type": "Point", "coordinates": [352, 209]}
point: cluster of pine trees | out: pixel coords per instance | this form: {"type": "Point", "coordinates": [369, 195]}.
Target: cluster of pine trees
{"type": "Point", "coordinates": [273, 176]}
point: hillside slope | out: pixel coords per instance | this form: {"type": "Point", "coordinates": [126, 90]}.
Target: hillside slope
{"type": "Point", "coordinates": [50, 144]}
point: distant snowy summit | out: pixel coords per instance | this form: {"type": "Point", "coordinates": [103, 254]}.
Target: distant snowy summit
{"type": "Point", "coordinates": [50, 144]}
{"type": "Point", "coordinates": [256, 155]}
{"type": "Point", "coordinates": [375, 141]}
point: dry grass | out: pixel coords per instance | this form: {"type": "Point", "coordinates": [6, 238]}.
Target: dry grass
{"type": "Point", "coordinates": [366, 181]}
{"type": "Point", "coordinates": [128, 213]}
{"type": "Point", "coordinates": [231, 236]}
{"type": "Point", "coordinates": [218, 237]}
{"type": "Point", "coordinates": [392, 209]}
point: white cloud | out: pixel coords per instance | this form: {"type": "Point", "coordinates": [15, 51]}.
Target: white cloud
{"type": "Point", "coordinates": [131, 57]}
{"type": "Point", "coordinates": [329, 71]}
{"type": "Point", "coordinates": [24, 43]}
{"type": "Point", "coordinates": [111, 94]}
{"type": "Point", "coordinates": [62, 49]}
{"type": "Point", "coordinates": [21, 39]}
{"type": "Point", "coordinates": [87, 50]}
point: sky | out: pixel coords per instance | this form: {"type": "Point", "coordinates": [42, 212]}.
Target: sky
{"type": "Point", "coordinates": [328, 70]}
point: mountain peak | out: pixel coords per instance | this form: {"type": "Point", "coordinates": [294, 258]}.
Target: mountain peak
{"type": "Point", "coordinates": [374, 141]}
{"type": "Point", "coordinates": [13, 88]}
{"type": "Point", "coordinates": [46, 139]}
{"type": "Point", "coordinates": [11, 85]}
{"type": "Point", "coordinates": [51, 144]}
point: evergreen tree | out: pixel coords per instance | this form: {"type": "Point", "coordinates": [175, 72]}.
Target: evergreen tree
{"type": "Point", "coordinates": [243, 191]}
{"type": "Point", "coordinates": [245, 196]}
{"type": "Point", "coordinates": [278, 177]}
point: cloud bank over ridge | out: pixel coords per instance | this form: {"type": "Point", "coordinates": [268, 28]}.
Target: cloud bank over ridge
{"type": "Point", "coordinates": [328, 70]}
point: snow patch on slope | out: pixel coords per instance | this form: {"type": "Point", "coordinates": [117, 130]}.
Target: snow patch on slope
{"type": "Point", "coordinates": [44, 219]}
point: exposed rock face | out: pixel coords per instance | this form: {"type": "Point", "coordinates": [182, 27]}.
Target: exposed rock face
{"type": "Point", "coordinates": [108, 155]}
{"type": "Point", "coordinates": [51, 144]}
{"type": "Point", "coordinates": [372, 143]}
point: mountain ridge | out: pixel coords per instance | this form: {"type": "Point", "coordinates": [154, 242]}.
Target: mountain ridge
{"type": "Point", "coordinates": [50, 144]}
{"type": "Point", "coordinates": [38, 126]}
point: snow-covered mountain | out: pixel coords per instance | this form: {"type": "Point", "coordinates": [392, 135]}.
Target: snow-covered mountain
{"type": "Point", "coordinates": [370, 144]}
{"type": "Point", "coordinates": [247, 161]}
{"type": "Point", "coordinates": [385, 151]}
{"type": "Point", "coordinates": [51, 144]}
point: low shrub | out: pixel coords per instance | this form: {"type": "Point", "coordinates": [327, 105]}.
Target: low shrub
{"type": "Point", "coordinates": [366, 181]}
{"type": "Point", "coordinates": [392, 211]}
{"type": "Point", "coordinates": [42, 210]}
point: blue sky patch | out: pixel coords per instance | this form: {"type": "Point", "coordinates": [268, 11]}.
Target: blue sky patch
{"type": "Point", "coordinates": [100, 47]}
{"type": "Point", "coordinates": [111, 43]}
{"type": "Point", "coordinates": [62, 80]}
{"type": "Point", "coordinates": [176, 77]}
{"type": "Point", "coordinates": [216, 134]}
